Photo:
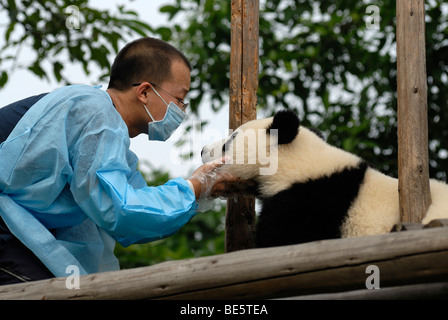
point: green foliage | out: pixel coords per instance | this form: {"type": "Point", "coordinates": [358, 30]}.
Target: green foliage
{"type": "Point", "coordinates": [64, 30]}
{"type": "Point", "coordinates": [319, 58]}
{"type": "Point", "coordinates": [202, 236]}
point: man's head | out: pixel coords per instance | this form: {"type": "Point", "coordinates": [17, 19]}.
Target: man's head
{"type": "Point", "coordinates": [145, 59]}
{"type": "Point", "coordinates": [148, 72]}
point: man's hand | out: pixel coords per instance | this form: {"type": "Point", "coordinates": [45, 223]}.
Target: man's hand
{"type": "Point", "coordinates": [210, 182]}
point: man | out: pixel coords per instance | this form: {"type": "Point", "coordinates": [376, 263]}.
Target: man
{"type": "Point", "coordinates": [69, 187]}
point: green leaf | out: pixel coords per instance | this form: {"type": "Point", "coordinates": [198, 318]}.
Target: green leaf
{"type": "Point", "coordinates": [57, 68]}
{"type": "Point", "coordinates": [3, 78]}
{"type": "Point", "coordinates": [165, 33]}
{"type": "Point", "coordinates": [171, 10]}
{"type": "Point", "coordinates": [37, 70]}
{"type": "Point", "coordinates": [9, 30]}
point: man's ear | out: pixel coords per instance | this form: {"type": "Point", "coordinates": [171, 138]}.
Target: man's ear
{"type": "Point", "coordinates": [143, 92]}
{"type": "Point", "coordinates": [287, 125]}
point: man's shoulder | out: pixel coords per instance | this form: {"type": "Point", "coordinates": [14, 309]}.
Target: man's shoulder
{"type": "Point", "coordinates": [82, 93]}
{"type": "Point", "coordinates": [85, 99]}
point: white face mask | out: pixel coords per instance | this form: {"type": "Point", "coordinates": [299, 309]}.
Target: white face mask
{"type": "Point", "coordinates": [161, 130]}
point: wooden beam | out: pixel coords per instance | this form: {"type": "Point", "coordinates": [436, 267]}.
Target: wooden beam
{"type": "Point", "coordinates": [418, 226]}
{"type": "Point", "coordinates": [426, 291]}
{"type": "Point", "coordinates": [403, 258]}
{"type": "Point", "coordinates": [240, 216]}
{"type": "Point", "coordinates": [413, 168]}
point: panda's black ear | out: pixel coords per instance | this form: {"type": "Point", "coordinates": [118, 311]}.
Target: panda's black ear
{"type": "Point", "coordinates": [287, 123]}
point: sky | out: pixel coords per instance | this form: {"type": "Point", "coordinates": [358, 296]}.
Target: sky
{"type": "Point", "coordinates": [161, 155]}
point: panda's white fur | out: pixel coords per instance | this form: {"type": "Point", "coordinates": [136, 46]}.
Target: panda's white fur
{"type": "Point", "coordinates": [376, 208]}
{"type": "Point", "coordinates": [308, 158]}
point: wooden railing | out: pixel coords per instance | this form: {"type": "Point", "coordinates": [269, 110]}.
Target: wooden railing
{"type": "Point", "coordinates": [417, 257]}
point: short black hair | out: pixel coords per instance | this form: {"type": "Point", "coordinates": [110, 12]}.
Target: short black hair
{"type": "Point", "coordinates": [145, 59]}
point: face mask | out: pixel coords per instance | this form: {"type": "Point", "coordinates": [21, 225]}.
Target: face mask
{"type": "Point", "coordinates": [162, 130]}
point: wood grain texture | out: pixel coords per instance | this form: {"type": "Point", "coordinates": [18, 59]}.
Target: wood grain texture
{"type": "Point", "coordinates": [240, 215]}
{"type": "Point", "coordinates": [413, 169]}
{"type": "Point", "coordinates": [403, 258]}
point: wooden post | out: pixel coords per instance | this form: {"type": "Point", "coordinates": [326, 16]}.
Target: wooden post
{"type": "Point", "coordinates": [413, 170]}
{"type": "Point", "coordinates": [240, 217]}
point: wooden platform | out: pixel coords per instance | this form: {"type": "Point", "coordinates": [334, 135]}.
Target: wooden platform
{"type": "Point", "coordinates": [413, 262]}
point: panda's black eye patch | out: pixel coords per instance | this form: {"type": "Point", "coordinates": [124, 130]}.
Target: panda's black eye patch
{"type": "Point", "coordinates": [226, 145]}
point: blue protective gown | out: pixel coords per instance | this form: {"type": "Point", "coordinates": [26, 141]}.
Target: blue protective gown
{"type": "Point", "coordinates": [69, 185]}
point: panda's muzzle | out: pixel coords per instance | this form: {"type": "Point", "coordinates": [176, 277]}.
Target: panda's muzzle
{"type": "Point", "coordinates": [217, 149]}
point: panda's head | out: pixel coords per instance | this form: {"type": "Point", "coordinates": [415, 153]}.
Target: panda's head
{"type": "Point", "coordinates": [276, 152]}
{"type": "Point", "coordinates": [253, 147]}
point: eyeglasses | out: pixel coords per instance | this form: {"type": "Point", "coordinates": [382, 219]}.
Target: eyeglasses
{"type": "Point", "coordinates": [183, 105]}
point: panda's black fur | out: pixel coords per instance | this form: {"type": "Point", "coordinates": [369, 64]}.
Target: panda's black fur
{"type": "Point", "coordinates": [309, 211]}
{"type": "Point", "coordinates": [287, 125]}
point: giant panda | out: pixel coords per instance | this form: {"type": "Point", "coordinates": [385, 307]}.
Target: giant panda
{"type": "Point", "coordinates": [314, 191]}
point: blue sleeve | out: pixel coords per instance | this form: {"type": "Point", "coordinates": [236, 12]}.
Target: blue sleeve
{"type": "Point", "coordinates": [150, 213]}
{"type": "Point", "coordinates": [102, 188]}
